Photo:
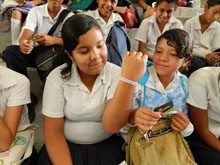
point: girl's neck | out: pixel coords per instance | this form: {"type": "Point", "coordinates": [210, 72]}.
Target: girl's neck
{"type": "Point", "coordinates": [204, 24]}
{"type": "Point", "coordinates": [166, 80]}
{"type": "Point", "coordinates": [88, 80]}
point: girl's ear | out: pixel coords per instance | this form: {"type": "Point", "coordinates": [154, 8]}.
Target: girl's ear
{"type": "Point", "coordinates": [69, 55]}
{"type": "Point", "coordinates": [185, 63]}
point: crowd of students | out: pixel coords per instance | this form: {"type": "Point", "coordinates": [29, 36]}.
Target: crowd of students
{"type": "Point", "coordinates": [88, 100]}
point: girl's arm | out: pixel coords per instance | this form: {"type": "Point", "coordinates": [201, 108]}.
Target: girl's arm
{"type": "Point", "coordinates": [117, 110]}
{"type": "Point", "coordinates": [8, 126]}
{"type": "Point", "coordinates": [56, 144]}
{"type": "Point", "coordinates": [199, 118]}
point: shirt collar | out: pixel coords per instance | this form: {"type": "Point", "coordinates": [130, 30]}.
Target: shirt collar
{"type": "Point", "coordinates": [75, 78]}
{"type": "Point", "coordinates": [7, 78]}
{"type": "Point", "coordinates": [153, 19]}
{"type": "Point", "coordinates": [98, 17]}
{"type": "Point", "coordinates": [154, 81]}
{"type": "Point", "coordinates": [46, 13]}
{"type": "Point", "coordinates": [198, 25]}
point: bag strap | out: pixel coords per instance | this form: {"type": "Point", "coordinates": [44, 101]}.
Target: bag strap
{"type": "Point", "coordinates": [144, 79]}
{"type": "Point", "coordinates": [60, 19]}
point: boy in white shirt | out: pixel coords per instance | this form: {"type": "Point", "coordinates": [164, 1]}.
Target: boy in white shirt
{"type": "Point", "coordinates": [205, 33]}
{"type": "Point", "coordinates": [104, 15]}
{"type": "Point", "coordinates": [152, 27]}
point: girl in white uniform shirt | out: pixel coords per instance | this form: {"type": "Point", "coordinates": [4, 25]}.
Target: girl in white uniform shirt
{"type": "Point", "coordinates": [14, 95]}
{"type": "Point", "coordinates": [75, 96]}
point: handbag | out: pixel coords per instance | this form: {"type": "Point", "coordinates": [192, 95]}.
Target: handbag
{"type": "Point", "coordinates": [129, 18]}
{"type": "Point", "coordinates": [163, 147]}
{"type": "Point", "coordinates": [21, 147]}
{"type": "Point", "coordinates": [46, 54]}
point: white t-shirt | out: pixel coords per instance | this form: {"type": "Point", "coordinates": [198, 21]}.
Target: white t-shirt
{"type": "Point", "coordinates": [39, 18]}
{"type": "Point", "coordinates": [106, 27]}
{"type": "Point", "coordinates": [82, 109]}
{"type": "Point", "coordinates": [204, 93]}
{"type": "Point", "coordinates": [14, 91]}
{"type": "Point", "coordinates": [206, 42]}
{"type": "Point", "coordinates": [148, 32]}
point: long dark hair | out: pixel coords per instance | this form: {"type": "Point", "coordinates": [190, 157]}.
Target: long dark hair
{"type": "Point", "coordinates": [73, 28]}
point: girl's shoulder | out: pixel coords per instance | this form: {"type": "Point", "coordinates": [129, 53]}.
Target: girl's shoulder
{"type": "Point", "coordinates": [9, 78]}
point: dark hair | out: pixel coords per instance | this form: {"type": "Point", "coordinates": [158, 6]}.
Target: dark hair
{"type": "Point", "coordinates": [175, 2]}
{"type": "Point", "coordinates": [213, 3]}
{"type": "Point", "coordinates": [73, 28]}
{"type": "Point", "coordinates": [180, 40]}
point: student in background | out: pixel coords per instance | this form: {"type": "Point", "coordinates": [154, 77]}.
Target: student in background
{"type": "Point", "coordinates": [205, 32]}
{"type": "Point", "coordinates": [18, 17]}
{"type": "Point", "coordinates": [152, 27]}
{"type": "Point", "coordinates": [165, 83]}
{"type": "Point", "coordinates": [75, 96]}
{"type": "Point", "coordinates": [104, 15]}
{"type": "Point", "coordinates": [204, 112]}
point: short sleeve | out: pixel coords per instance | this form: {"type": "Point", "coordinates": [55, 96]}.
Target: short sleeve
{"type": "Point", "coordinates": [143, 31]}
{"type": "Point", "coordinates": [53, 96]}
{"type": "Point", "coordinates": [31, 21]}
{"type": "Point", "coordinates": [197, 90]}
{"type": "Point", "coordinates": [19, 94]}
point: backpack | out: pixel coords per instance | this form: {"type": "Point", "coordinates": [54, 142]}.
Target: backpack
{"type": "Point", "coordinates": [117, 43]}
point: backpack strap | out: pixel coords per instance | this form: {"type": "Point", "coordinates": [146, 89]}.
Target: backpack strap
{"type": "Point", "coordinates": [144, 79]}
{"type": "Point", "coordinates": [60, 19]}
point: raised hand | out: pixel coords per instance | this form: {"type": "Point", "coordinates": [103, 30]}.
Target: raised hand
{"type": "Point", "coordinates": [134, 65]}
{"type": "Point", "coordinates": [145, 118]}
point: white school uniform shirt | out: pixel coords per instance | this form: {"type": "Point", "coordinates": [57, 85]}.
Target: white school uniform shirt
{"type": "Point", "coordinates": [14, 91]}
{"type": "Point", "coordinates": [106, 27]}
{"type": "Point", "coordinates": [206, 42]}
{"type": "Point", "coordinates": [82, 109]}
{"type": "Point", "coordinates": [148, 32]}
{"type": "Point", "coordinates": [39, 18]}
{"type": "Point", "coordinates": [204, 93]}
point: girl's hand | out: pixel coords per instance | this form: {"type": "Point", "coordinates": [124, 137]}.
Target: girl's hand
{"type": "Point", "coordinates": [179, 121]}
{"type": "Point", "coordinates": [145, 118]}
{"type": "Point", "coordinates": [134, 65]}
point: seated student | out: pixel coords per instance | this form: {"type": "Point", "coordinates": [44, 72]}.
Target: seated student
{"type": "Point", "coordinates": [42, 18]}
{"type": "Point", "coordinates": [104, 15]}
{"type": "Point", "coordinates": [152, 27]}
{"type": "Point", "coordinates": [75, 96]}
{"type": "Point", "coordinates": [14, 94]}
{"type": "Point", "coordinates": [165, 83]}
{"type": "Point", "coordinates": [18, 17]}
{"type": "Point", "coordinates": [204, 112]}
{"type": "Point", "coordinates": [205, 32]}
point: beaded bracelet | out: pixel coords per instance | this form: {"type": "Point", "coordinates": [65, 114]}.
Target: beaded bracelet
{"type": "Point", "coordinates": [128, 81]}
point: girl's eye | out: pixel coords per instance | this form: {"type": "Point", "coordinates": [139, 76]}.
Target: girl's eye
{"type": "Point", "coordinates": [84, 52]}
{"type": "Point", "coordinates": [100, 45]}
{"type": "Point", "coordinates": [173, 54]}
{"type": "Point", "coordinates": [158, 51]}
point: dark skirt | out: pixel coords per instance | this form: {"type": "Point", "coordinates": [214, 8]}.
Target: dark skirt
{"type": "Point", "coordinates": [107, 152]}
{"type": "Point", "coordinates": [203, 154]}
